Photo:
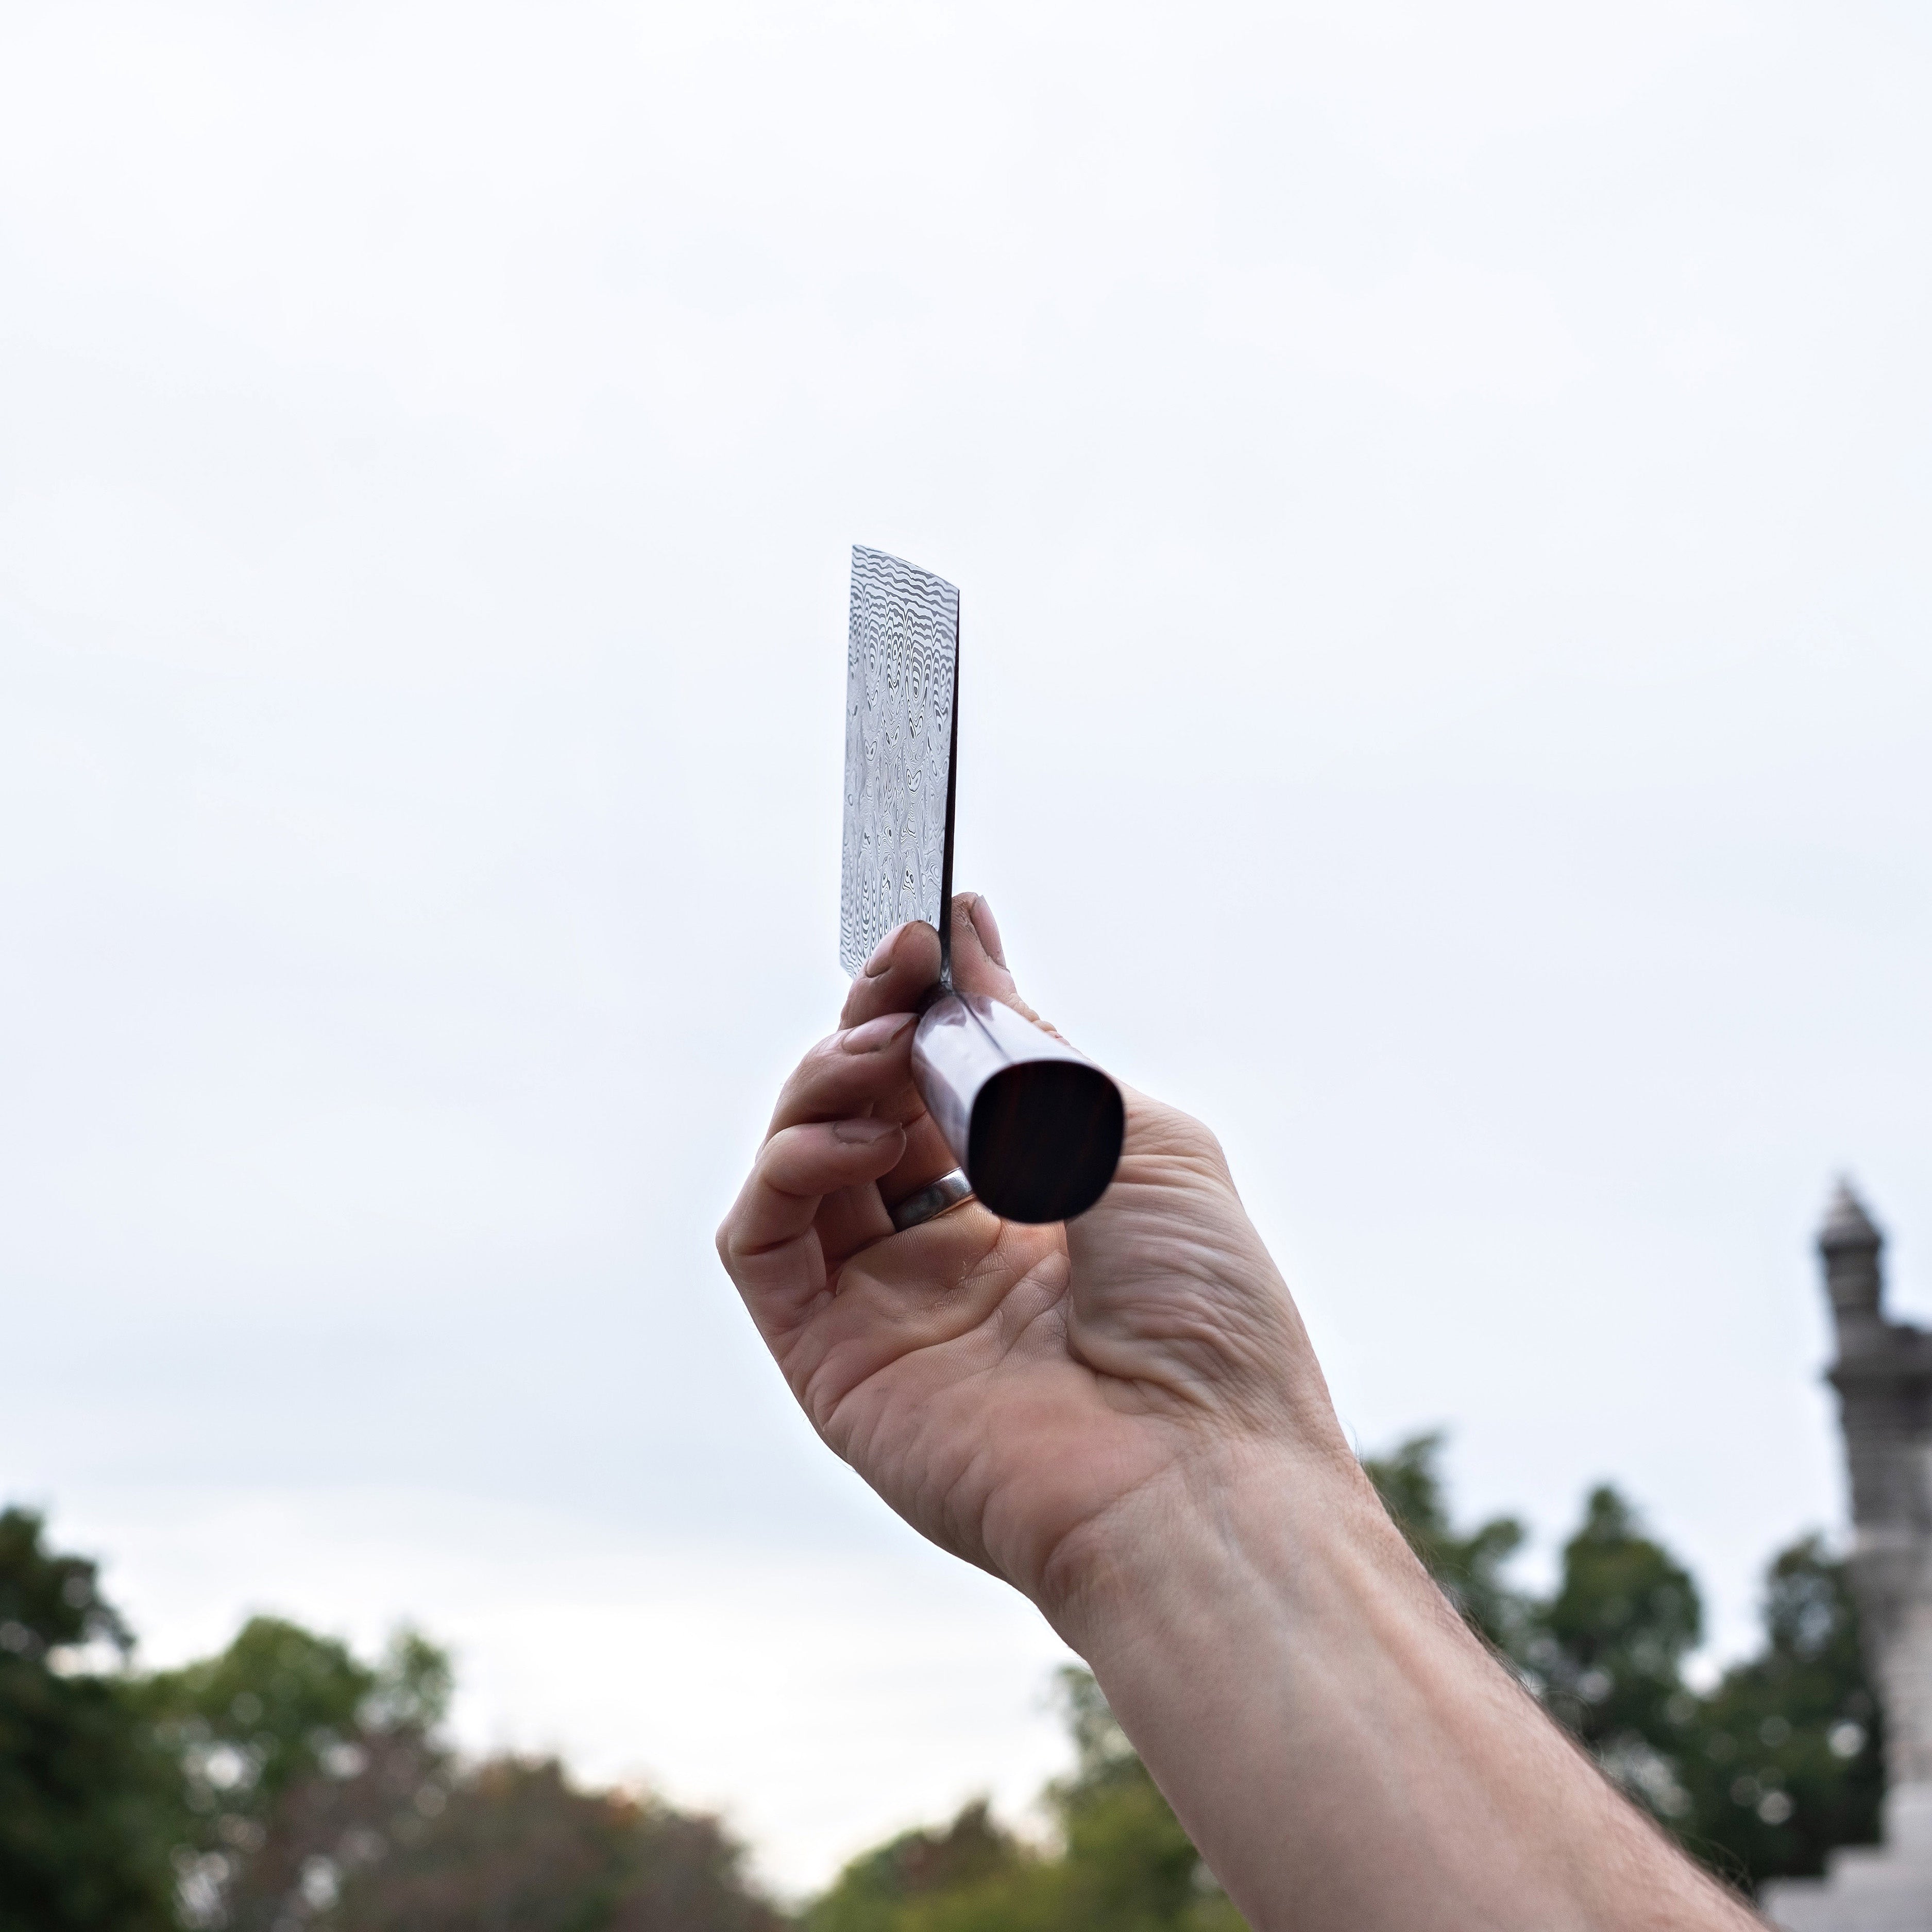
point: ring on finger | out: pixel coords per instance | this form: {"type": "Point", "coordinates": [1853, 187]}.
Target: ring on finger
{"type": "Point", "coordinates": [949, 1191]}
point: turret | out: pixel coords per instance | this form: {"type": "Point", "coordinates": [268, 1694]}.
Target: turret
{"type": "Point", "coordinates": [1883, 1375]}
{"type": "Point", "coordinates": [1850, 1246]}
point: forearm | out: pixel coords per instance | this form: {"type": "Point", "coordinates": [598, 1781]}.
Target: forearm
{"type": "Point", "coordinates": [1343, 1751]}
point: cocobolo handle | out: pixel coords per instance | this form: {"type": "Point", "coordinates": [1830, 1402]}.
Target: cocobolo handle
{"type": "Point", "coordinates": [1036, 1126]}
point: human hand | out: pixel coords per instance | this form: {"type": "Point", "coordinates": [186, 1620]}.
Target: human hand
{"type": "Point", "coordinates": [1014, 1392]}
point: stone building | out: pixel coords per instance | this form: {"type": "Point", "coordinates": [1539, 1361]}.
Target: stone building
{"type": "Point", "coordinates": [1883, 1375]}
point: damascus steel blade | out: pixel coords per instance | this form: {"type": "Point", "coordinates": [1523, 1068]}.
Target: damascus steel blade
{"type": "Point", "coordinates": [901, 683]}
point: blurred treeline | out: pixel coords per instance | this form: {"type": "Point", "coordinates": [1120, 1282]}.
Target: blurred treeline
{"type": "Point", "coordinates": [287, 1783]}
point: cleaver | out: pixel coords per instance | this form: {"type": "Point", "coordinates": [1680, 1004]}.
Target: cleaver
{"type": "Point", "coordinates": [1036, 1126]}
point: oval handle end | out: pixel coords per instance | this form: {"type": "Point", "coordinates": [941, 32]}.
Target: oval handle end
{"type": "Point", "coordinates": [1037, 1126]}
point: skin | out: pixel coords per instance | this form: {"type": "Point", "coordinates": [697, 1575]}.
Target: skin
{"type": "Point", "coordinates": [1123, 1418]}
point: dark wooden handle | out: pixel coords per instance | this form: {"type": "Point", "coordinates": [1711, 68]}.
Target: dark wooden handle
{"type": "Point", "coordinates": [1036, 1126]}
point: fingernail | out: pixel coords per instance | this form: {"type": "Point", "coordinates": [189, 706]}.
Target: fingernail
{"type": "Point", "coordinates": [864, 1130]}
{"type": "Point", "coordinates": [882, 953]}
{"type": "Point", "coordinates": [869, 1037]}
{"type": "Point", "coordinates": [988, 928]}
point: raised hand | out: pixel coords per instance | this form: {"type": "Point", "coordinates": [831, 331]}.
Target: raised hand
{"type": "Point", "coordinates": [1009, 1388]}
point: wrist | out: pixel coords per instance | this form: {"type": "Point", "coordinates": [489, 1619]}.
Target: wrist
{"type": "Point", "coordinates": [1338, 1746]}
{"type": "Point", "coordinates": [1268, 1526]}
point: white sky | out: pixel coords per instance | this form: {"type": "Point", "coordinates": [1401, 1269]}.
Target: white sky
{"type": "Point", "coordinates": [1439, 494]}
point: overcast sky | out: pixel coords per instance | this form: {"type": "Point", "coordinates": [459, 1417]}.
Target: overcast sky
{"type": "Point", "coordinates": [1439, 497]}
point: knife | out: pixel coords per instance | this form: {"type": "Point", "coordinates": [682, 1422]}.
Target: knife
{"type": "Point", "coordinates": [1036, 1126]}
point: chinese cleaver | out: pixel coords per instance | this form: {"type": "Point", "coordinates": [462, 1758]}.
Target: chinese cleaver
{"type": "Point", "coordinates": [1036, 1126]}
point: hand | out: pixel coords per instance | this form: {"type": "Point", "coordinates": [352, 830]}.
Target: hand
{"type": "Point", "coordinates": [1011, 1390]}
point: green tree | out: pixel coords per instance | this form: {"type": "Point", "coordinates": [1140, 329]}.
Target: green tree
{"type": "Point", "coordinates": [1604, 1653]}
{"type": "Point", "coordinates": [974, 1857]}
{"type": "Point", "coordinates": [265, 1712]}
{"type": "Point", "coordinates": [1785, 1759]}
{"type": "Point", "coordinates": [1609, 1646]}
{"type": "Point", "coordinates": [287, 1743]}
{"type": "Point", "coordinates": [1760, 1778]}
{"type": "Point", "coordinates": [317, 1790]}
{"type": "Point", "coordinates": [1121, 1862]}
{"type": "Point", "coordinates": [84, 1797]}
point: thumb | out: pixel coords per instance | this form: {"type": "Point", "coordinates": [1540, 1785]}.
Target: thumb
{"type": "Point", "coordinates": [979, 959]}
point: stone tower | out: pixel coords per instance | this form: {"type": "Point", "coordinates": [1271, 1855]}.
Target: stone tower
{"type": "Point", "coordinates": [1883, 1375]}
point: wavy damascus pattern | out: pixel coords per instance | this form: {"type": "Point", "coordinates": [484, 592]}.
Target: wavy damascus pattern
{"type": "Point", "coordinates": [902, 652]}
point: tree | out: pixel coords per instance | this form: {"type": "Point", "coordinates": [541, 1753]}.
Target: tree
{"type": "Point", "coordinates": [1608, 1650]}
{"type": "Point", "coordinates": [973, 1857]}
{"type": "Point", "coordinates": [1604, 1653]}
{"type": "Point", "coordinates": [1785, 1759]}
{"type": "Point", "coordinates": [513, 1846]}
{"type": "Point", "coordinates": [318, 1791]}
{"type": "Point", "coordinates": [1120, 1863]}
{"type": "Point", "coordinates": [288, 1783]}
{"type": "Point", "coordinates": [1760, 1778]}
{"type": "Point", "coordinates": [289, 1748]}
{"type": "Point", "coordinates": [84, 1799]}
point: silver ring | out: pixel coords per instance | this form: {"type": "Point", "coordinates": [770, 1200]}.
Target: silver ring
{"type": "Point", "coordinates": [950, 1190]}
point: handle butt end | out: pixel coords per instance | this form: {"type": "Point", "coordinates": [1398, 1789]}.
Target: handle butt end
{"type": "Point", "coordinates": [1046, 1139]}
{"type": "Point", "coordinates": [1037, 1127]}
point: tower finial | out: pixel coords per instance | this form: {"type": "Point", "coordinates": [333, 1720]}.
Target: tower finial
{"type": "Point", "coordinates": [1846, 1223]}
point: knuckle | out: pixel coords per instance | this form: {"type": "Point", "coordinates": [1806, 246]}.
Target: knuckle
{"type": "Point", "coordinates": [817, 1058]}
{"type": "Point", "coordinates": [1182, 1134]}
